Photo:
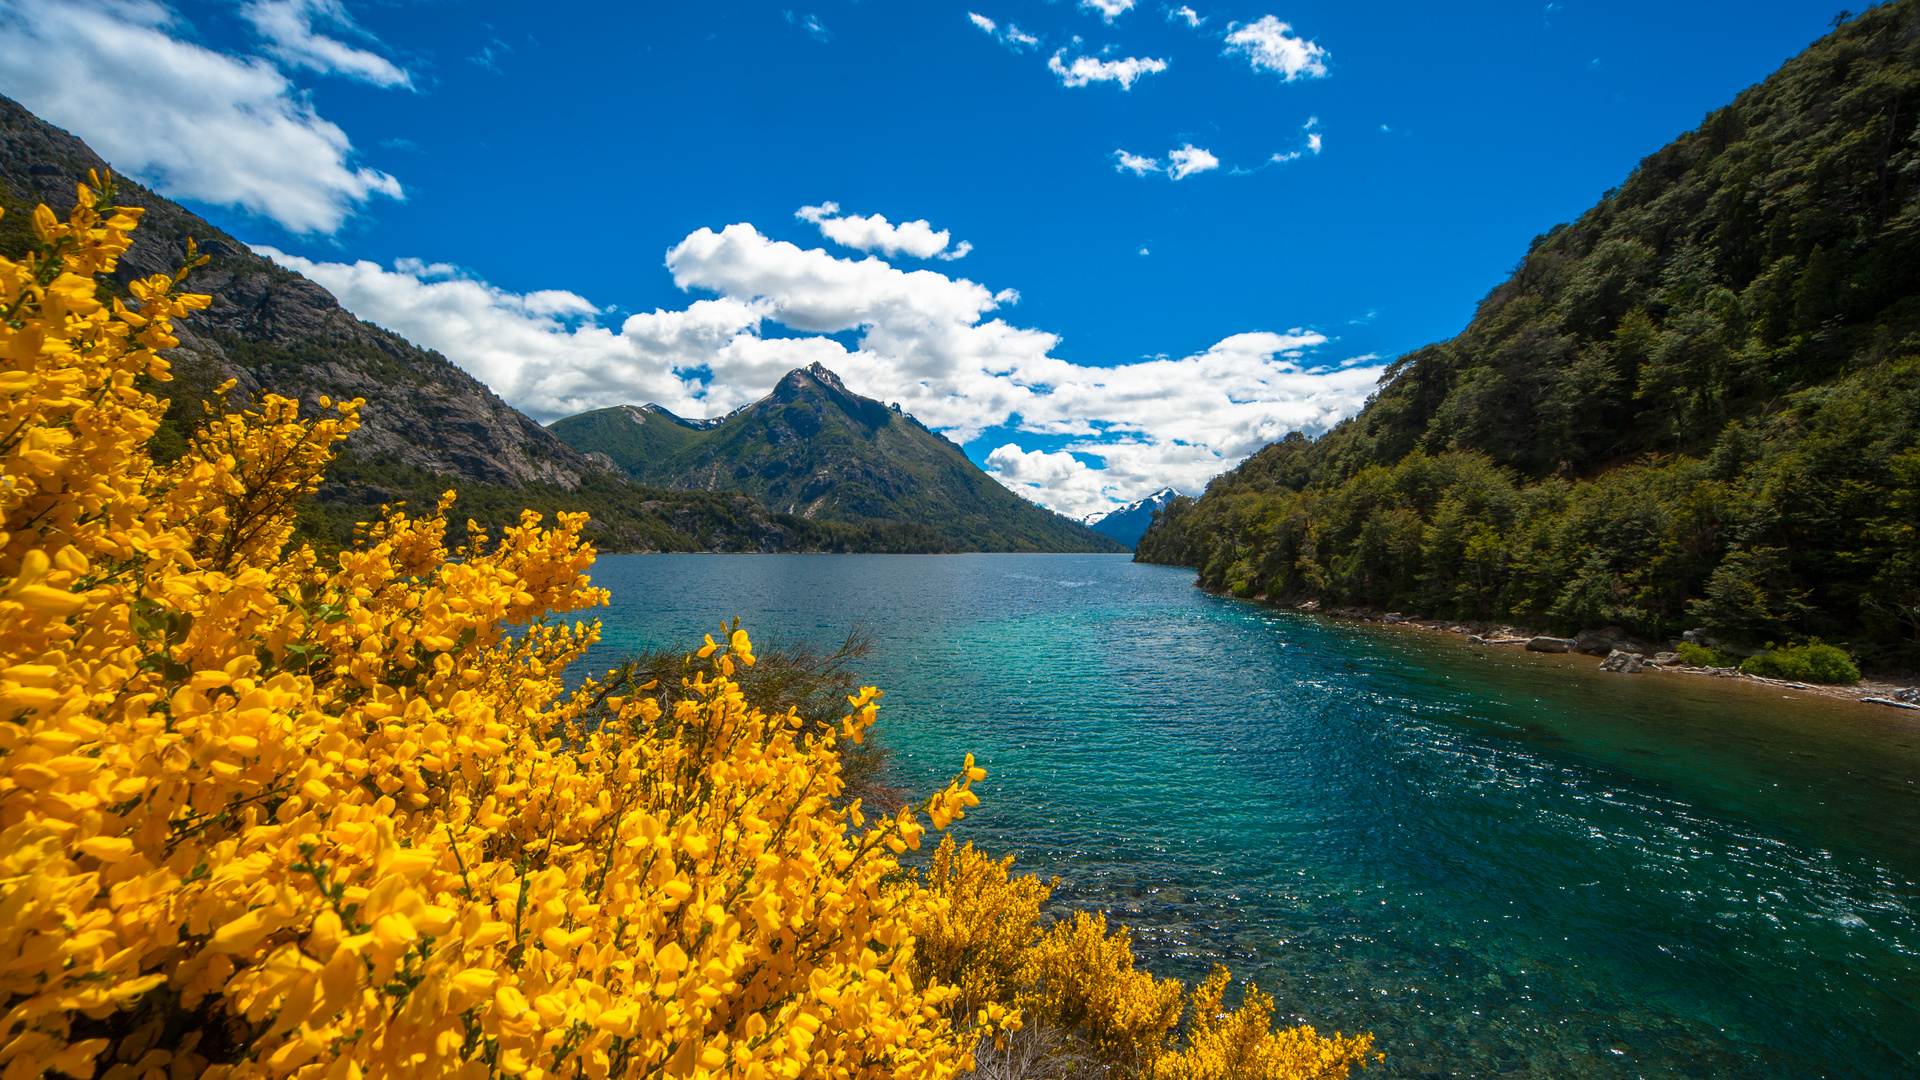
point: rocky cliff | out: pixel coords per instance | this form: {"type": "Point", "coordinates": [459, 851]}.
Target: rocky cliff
{"type": "Point", "coordinates": [274, 331]}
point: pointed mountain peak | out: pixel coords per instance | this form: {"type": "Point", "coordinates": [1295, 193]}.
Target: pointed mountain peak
{"type": "Point", "coordinates": [799, 378]}
{"type": "Point", "coordinates": [819, 371]}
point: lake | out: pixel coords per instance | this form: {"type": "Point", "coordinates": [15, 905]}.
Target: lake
{"type": "Point", "coordinates": [1501, 863]}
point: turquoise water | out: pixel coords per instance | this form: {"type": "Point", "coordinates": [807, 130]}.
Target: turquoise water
{"type": "Point", "coordinates": [1503, 864]}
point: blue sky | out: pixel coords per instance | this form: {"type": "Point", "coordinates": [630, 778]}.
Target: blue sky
{"type": "Point", "coordinates": [544, 192]}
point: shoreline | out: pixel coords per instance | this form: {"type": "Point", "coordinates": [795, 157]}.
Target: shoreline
{"type": "Point", "coordinates": [1868, 691]}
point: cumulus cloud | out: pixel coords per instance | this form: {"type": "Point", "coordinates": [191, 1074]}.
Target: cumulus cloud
{"type": "Point", "coordinates": [1087, 69]}
{"type": "Point", "coordinates": [1134, 163]}
{"type": "Point", "coordinates": [1270, 45]}
{"type": "Point", "coordinates": [876, 233]}
{"type": "Point", "coordinates": [190, 122]}
{"type": "Point", "coordinates": [1108, 10]}
{"type": "Point", "coordinates": [941, 346]}
{"type": "Point", "coordinates": [1188, 160]}
{"type": "Point", "coordinates": [288, 27]}
{"type": "Point", "coordinates": [1190, 16]}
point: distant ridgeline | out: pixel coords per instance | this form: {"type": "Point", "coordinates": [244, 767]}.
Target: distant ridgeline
{"type": "Point", "coordinates": [1698, 404]}
{"type": "Point", "coordinates": [816, 451]}
{"type": "Point", "coordinates": [1128, 523]}
{"type": "Point", "coordinates": [427, 425]}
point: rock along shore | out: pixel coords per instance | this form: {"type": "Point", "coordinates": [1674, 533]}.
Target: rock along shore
{"type": "Point", "coordinates": [1620, 651]}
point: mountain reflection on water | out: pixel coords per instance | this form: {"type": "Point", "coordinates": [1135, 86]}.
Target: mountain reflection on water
{"type": "Point", "coordinates": [1502, 864]}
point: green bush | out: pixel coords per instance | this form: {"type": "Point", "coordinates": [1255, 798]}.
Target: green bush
{"type": "Point", "coordinates": [1243, 589]}
{"type": "Point", "coordinates": [1702, 656]}
{"type": "Point", "coordinates": [1812, 662]}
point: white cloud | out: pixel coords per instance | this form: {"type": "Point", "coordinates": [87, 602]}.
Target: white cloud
{"type": "Point", "coordinates": [1087, 69]}
{"type": "Point", "coordinates": [287, 26]}
{"type": "Point", "coordinates": [1192, 17]}
{"type": "Point", "coordinates": [1313, 143]}
{"type": "Point", "coordinates": [1180, 164]}
{"type": "Point", "coordinates": [1108, 10]}
{"type": "Point", "coordinates": [191, 122]}
{"type": "Point", "coordinates": [1188, 160]}
{"type": "Point", "coordinates": [915, 238]}
{"type": "Point", "coordinates": [938, 345]}
{"type": "Point", "coordinates": [1011, 37]}
{"type": "Point", "coordinates": [1055, 476]}
{"type": "Point", "coordinates": [1270, 45]}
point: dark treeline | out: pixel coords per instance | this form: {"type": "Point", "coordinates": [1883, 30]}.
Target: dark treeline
{"type": "Point", "coordinates": [624, 517]}
{"type": "Point", "coordinates": [1697, 405]}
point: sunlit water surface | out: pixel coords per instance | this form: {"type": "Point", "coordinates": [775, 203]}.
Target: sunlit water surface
{"type": "Point", "coordinates": [1503, 864]}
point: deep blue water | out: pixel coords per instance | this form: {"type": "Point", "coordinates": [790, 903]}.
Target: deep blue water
{"type": "Point", "coordinates": [1503, 864]}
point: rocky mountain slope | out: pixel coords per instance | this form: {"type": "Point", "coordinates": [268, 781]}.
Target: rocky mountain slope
{"type": "Point", "coordinates": [1128, 523]}
{"type": "Point", "coordinates": [1698, 404]}
{"type": "Point", "coordinates": [814, 449]}
{"type": "Point", "coordinates": [273, 330]}
{"type": "Point", "coordinates": [426, 426]}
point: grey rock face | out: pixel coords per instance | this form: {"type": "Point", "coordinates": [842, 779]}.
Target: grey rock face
{"type": "Point", "coordinates": [1593, 642]}
{"type": "Point", "coordinates": [1666, 659]}
{"type": "Point", "coordinates": [1624, 662]}
{"type": "Point", "coordinates": [274, 331]}
{"type": "Point", "coordinates": [1551, 644]}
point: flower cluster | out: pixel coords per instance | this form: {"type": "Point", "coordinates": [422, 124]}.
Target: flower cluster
{"type": "Point", "coordinates": [1077, 984]}
{"type": "Point", "coordinates": [265, 816]}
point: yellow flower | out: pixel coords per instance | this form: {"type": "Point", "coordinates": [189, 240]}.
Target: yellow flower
{"type": "Point", "coordinates": [341, 818]}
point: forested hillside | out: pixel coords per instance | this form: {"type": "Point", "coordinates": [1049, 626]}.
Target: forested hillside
{"type": "Point", "coordinates": [1697, 404]}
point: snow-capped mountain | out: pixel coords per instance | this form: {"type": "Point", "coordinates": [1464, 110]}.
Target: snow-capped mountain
{"type": "Point", "coordinates": [1128, 523]}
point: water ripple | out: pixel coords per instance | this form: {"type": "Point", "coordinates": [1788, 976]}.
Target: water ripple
{"type": "Point", "coordinates": [1504, 865]}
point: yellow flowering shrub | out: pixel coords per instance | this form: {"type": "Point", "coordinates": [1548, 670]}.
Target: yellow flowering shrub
{"type": "Point", "coordinates": [1079, 984]}
{"type": "Point", "coordinates": [1241, 1044]}
{"type": "Point", "coordinates": [265, 816]}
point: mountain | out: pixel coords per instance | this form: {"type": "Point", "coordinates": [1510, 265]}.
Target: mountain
{"type": "Point", "coordinates": [815, 449]}
{"type": "Point", "coordinates": [1128, 523]}
{"type": "Point", "coordinates": [426, 426]}
{"type": "Point", "coordinates": [273, 330]}
{"type": "Point", "coordinates": [1698, 404]}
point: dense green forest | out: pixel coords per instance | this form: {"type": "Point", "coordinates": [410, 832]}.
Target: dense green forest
{"type": "Point", "coordinates": [1697, 405]}
{"type": "Point", "coordinates": [623, 516]}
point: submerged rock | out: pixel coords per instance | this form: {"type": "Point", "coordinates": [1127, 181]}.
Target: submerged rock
{"type": "Point", "coordinates": [1551, 644]}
